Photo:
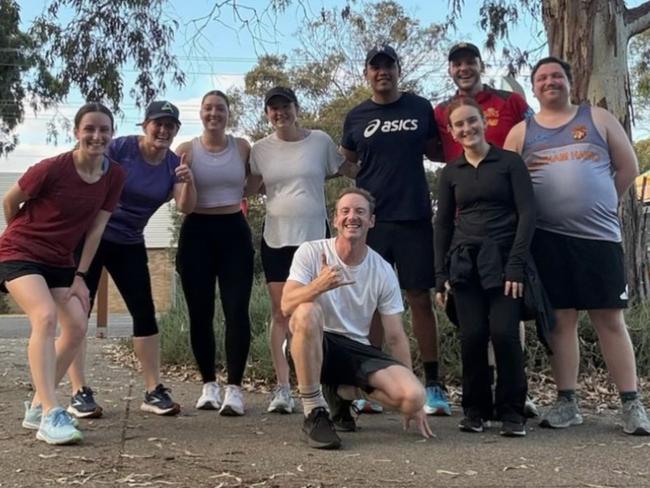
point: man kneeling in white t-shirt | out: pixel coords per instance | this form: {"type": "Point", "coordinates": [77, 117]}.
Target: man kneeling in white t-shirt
{"type": "Point", "coordinates": [333, 289]}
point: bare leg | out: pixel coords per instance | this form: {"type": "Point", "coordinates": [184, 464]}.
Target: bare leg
{"type": "Point", "coordinates": [616, 347]}
{"type": "Point", "coordinates": [565, 359]}
{"type": "Point", "coordinates": [279, 333]}
{"type": "Point", "coordinates": [306, 325]}
{"type": "Point", "coordinates": [76, 372]}
{"type": "Point", "coordinates": [425, 327]}
{"type": "Point", "coordinates": [147, 349]}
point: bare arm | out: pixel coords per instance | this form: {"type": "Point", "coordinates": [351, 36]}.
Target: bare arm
{"type": "Point", "coordinates": [624, 161]}
{"type": "Point", "coordinates": [296, 293]}
{"type": "Point", "coordinates": [515, 139]}
{"type": "Point", "coordinates": [93, 236]}
{"type": "Point", "coordinates": [184, 189]}
{"type": "Point", "coordinates": [12, 200]}
{"type": "Point", "coordinates": [396, 339]}
{"type": "Point", "coordinates": [433, 150]}
{"type": "Point", "coordinates": [350, 166]}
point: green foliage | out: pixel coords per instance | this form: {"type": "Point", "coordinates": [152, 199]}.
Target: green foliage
{"type": "Point", "coordinates": [642, 149]}
{"type": "Point", "coordinates": [175, 346]}
{"type": "Point", "coordinates": [327, 70]}
{"type": "Point", "coordinates": [89, 50]}
{"type": "Point", "coordinates": [640, 72]}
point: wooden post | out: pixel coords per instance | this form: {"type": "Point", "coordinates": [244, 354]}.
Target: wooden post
{"type": "Point", "coordinates": [102, 306]}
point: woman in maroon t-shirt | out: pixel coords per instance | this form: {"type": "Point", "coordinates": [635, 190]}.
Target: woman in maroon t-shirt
{"type": "Point", "coordinates": [48, 211]}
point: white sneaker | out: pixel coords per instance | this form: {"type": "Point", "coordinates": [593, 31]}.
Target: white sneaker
{"type": "Point", "coordinates": [233, 402]}
{"type": "Point", "coordinates": [282, 401]}
{"type": "Point", "coordinates": [210, 398]}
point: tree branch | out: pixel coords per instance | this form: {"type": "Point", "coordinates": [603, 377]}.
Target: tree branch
{"type": "Point", "coordinates": [637, 19]}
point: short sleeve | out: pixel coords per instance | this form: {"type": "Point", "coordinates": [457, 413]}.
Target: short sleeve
{"type": "Point", "coordinates": [302, 265]}
{"type": "Point", "coordinates": [33, 180]}
{"type": "Point", "coordinates": [253, 158]}
{"type": "Point", "coordinates": [520, 107]}
{"type": "Point", "coordinates": [390, 299]}
{"type": "Point", "coordinates": [432, 130]}
{"type": "Point", "coordinates": [347, 139]}
{"type": "Point", "coordinates": [334, 158]}
{"type": "Point", "coordinates": [116, 178]}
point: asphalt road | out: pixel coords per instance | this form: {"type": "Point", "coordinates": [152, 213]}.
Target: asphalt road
{"type": "Point", "coordinates": [128, 448]}
{"type": "Point", "coordinates": [17, 326]}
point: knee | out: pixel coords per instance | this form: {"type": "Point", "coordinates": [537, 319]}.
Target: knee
{"type": "Point", "coordinates": [418, 299]}
{"type": "Point", "coordinates": [411, 398]}
{"type": "Point", "coordinates": [44, 321]}
{"type": "Point", "coordinates": [307, 320]}
{"type": "Point", "coordinates": [278, 319]}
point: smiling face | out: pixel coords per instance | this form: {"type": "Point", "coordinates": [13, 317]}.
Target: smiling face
{"type": "Point", "coordinates": [465, 70]}
{"type": "Point", "coordinates": [281, 112]}
{"type": "Point", "coordinates": [467, 126]}
{"type": "Point", "coordinates": [353, 217]}
{"type": "Point", "coordinates": [160, 133]}
{"type": "Point", "coordinates": [94, 133]}
{"type": "Point", "coordinates": [382, 74]}
{"type": "Point", "coordinates": [551, 85]}
{"type": "Point", "coordinates": [214, 113]}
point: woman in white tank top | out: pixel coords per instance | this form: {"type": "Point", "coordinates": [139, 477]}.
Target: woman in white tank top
{"type": "Point", "coordinates": [215, 244]}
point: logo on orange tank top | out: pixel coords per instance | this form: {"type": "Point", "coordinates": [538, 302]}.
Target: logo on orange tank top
{"type": "Point", "coordinates": [491, 116]}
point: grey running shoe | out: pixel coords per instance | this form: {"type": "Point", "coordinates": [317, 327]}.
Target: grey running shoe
{"type": "Point", "coordinates": [282, 401]}
{"type": "Point", "coordinates": [564, 413]}
{"type": "Point", "coordinates": [160, 402]}
{"type": "Point", "coordinates": [471, 424]}
{"type": "Point", "coordinates": [83, 405]}
{"type": "Point", "coordinates": [635, 419]}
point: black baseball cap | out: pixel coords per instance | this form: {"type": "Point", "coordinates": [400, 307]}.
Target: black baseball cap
{"type": "Point", "coordinates": [384, 49]}
{"type": "Point", "coordinates": [160, 109]}
{"type": "Point", "coordinates": [280, 91]}
{"type": "Point", "coordinates": [466, 47]}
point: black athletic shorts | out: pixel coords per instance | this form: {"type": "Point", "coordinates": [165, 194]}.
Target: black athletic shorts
{"type": "Point", "coordinates": [276, 261]}
{"type": "Point", "coordinates": [407, 245]}
{"type": "Point", "coordinates": [583, 274]}
{"type": "Point", "coordinates": [348, 362]}
{"type": "Point", "coordinates": [55, 276]}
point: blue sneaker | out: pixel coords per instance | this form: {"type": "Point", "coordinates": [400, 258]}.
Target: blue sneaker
{"type": "Point", "coordinates": [437, 402]}
{"type": "Point", "coordinates": [56, 428]}
{"type": "Point", "coordinates": [32, 418]}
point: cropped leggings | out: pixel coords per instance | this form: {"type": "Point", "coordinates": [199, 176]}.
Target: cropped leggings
{"type": "Point", "coordinates": [219, 248]}
{"type": "Point", "coordinates": [127, 265]}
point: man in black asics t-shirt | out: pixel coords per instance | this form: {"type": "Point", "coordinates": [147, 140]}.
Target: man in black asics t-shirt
{"type": "Point", "coordinates": [387, 136]}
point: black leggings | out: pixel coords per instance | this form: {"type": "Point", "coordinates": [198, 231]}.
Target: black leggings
{"type": "Point", "coordinates": [485, 315]}
{"type": "Point", "coordinates": [212, 247]}
{"type": "Point", "coordinates": [127, 265]}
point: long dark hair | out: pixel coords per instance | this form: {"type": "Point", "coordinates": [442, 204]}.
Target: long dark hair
{"type": "Point", "coordinates": [93, 107]}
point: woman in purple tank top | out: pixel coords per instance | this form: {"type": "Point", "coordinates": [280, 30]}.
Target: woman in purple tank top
{"type": "Point", "coordinates": [154, 175]}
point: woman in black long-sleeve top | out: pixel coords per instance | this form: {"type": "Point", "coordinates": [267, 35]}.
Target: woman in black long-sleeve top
{"type": "Point", "coordinates": [483, 229]}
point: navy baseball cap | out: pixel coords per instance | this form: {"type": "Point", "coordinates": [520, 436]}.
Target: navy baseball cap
{"type": "Point", "coordinates": [280, 91]}
{"type": "Point", "coordinates": [384, 49]}
{"type": "Point", "coordinates": [160, 109]}
{"type": "Point", "coordinates": [463, 47]}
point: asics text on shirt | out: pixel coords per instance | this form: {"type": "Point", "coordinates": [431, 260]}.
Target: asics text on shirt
{"type": "Point", "coordinates": [390, 126]}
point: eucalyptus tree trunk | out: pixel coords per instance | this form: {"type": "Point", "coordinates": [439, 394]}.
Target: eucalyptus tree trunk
{"type": "Point", "coordinates": [592, 35]}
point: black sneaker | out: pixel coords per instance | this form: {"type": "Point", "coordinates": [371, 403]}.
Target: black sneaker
{"type": "Point", "coordinates": [512, 429]}
{"type": "Point", "coordinates": [319, 429]}
{"type": "Point", "coordinates": [160, 402]}
{"type": "Point", "coordinates": [83, 405]}
{"type": "Point", "coordinates": [471, 424]}
{"type": "Point", "coordinates": [340, 410]}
